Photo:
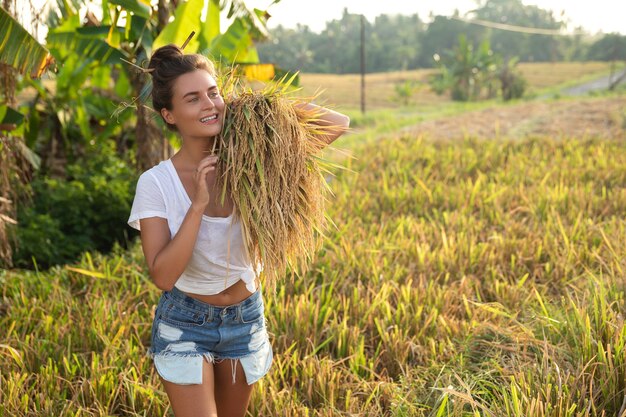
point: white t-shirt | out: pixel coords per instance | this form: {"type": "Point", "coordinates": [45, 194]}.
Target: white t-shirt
{"type": "Point", "coordinates": [219, 257]}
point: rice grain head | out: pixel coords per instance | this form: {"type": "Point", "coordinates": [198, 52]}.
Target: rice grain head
{"type": "Point", "coordinates": [270, 166]}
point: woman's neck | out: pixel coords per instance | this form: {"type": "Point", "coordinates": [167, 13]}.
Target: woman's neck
{"type": "Point", "coordinates": [194, 150]}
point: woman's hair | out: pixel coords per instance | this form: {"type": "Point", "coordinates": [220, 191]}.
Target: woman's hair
{"type": "Point", "coordinates": [166, 65]}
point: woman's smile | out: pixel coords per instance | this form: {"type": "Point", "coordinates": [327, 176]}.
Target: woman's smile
{"type": "Point", "coordinates": [209, 119]}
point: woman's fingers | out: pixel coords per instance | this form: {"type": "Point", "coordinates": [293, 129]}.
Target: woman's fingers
{"type": "Point", "coordinates": [208, 162]}
{"type": "Point", "coordinates": [205, 166]}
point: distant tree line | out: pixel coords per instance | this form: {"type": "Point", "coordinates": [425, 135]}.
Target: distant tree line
{"type": "Point", "coordinates": [399, 42]}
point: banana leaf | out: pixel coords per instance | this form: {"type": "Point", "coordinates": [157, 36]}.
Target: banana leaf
{"type": "Point", "coordinates": [186, 19]}
{"type": "Point", "coordinates": [10, 116]}
{"type": "Point", "coordinates": [235, 45]}
{"type": "Point", "coordinates": [138, 7]}
{"type": "Point", "coordinates": [19, 49]}
{"type": "Point", "coordinates": [87, 44]}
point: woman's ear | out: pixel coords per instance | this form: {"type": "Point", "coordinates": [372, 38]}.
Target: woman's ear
{"type": "Point", "coordinates": [167, 116]}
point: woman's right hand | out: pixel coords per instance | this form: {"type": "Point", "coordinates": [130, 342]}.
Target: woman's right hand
{"type": "Point", "coordinates": [207, 165]}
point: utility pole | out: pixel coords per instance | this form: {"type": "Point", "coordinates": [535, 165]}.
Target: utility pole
{"type": "Point", "coordinates": [363, 64]}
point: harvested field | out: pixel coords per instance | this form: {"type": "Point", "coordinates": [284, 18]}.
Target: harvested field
{"type": "Point", "coordinates": [589, 117]}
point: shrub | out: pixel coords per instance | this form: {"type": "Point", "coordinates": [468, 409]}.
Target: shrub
{"type": "Point", "coordinates": [87, 211]}
{"type": "Point", "coordinates": [405, 91]}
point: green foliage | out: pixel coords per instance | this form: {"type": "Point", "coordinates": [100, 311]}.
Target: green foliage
{"type": "Point", "coordinates": [528, 47]}
{"type": "Point", "coordinates": [235, 45]}
{"type": "Point", "coordinates": [611, 47]}
{"type": "Point", "coordinates": [404, 91]}
{"type": "Point", "coordinates": [442, 34]}
{"type": "Point", "coordinates": [187, 18]}
{"type": "Point", "coordinates": [512, 84]}
{"type": "Point", "coordinates": [392, 42]}
{"type": "Point", "coordinates": [86, 211]}
{"type": "Point", "coordinates": [466, 72]}
{"type": "Point", "coordinates": [9, 115]}
{"type": "Point", "coordinates": [74, 119]}
{"type": "Point", "coordinates": [470, 74]}
{"type": "Point", "coordinates": [19, 49]}
{"type": "Point", "coordinates": [406, 42]}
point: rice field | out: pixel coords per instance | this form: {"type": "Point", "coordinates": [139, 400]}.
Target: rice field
{"type": "Point", "coordinates": [464, 277]}
{"type": "Point", "coordinates": [344, 90]}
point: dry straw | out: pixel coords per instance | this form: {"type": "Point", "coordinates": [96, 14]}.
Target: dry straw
{"type": "Point", "coordinates": [270, 166]}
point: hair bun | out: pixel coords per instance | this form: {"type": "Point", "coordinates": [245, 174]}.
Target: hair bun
{"type": "Point", "coordinates": [164, 55]}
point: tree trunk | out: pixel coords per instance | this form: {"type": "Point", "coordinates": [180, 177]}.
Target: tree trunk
{"type": "Point", "coordinates": [163, 13]}
{"type": "Point", "coordinates": [8, 159]}
{"type": "Point", "coordinates": [152, 146]}
{"type": "Point", "coordinates": [8, 164]}
{"type": "Point", "coordinates": [614, 83]}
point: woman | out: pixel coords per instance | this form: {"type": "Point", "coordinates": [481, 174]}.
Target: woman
{"type": "Point", "coordinates": [209, 340]}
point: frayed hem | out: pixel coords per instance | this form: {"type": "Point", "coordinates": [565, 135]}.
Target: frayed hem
{"type": "Point", "coordinates": [208, 356]}
{"type": "Point", "coordinates": [182, 368]}
{"type": "Point", "coordinates": [253, 365]}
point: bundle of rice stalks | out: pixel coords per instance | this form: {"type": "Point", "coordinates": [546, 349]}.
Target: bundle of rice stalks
{"type": "Point", "coordinates": [269, 165]}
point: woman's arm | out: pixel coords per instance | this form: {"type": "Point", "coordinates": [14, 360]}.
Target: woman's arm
{"type": "Point", "coordinates": [168, 257]}
{"type": "Point", "coordinates": [337, 123]}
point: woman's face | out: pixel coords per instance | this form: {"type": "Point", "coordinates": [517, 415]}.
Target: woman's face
{"type": "Point", "coordinates": [197, 106]}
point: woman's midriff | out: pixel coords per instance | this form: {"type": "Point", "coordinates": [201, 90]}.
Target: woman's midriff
{"type": "Point", "coordinates": [234, 294]}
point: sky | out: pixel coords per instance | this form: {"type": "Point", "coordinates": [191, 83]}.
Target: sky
{"type": "Point", "coordinates": [593, 15]}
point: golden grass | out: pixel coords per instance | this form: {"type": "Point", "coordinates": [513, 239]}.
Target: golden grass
{"type": "Point", "coordinates": [466, 277]}
{"type": "Point", "coordinates": [270, 168]}
{"type": "Point", "coordinates": [550, 74]}
{"type": "Point", "coordinates": [345, 90]}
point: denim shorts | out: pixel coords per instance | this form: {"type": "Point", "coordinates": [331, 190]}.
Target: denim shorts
{"type": "Point", "coordinates": [186, 332]}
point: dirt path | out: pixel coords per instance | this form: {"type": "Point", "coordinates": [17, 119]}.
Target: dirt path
{"type": "Point", "coordinates": [599, 84]}
{"type": "Point", "coordinates": [601, 117]}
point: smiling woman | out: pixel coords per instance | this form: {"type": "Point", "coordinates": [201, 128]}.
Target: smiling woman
{"type": "Point", "coordinates": [209, 340]}
{"type": "Point", "coordinates": [195, 343]}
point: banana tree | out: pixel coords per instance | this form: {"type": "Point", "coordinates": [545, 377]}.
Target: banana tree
{"type": "Point", "coordinates": [466, 71]}
{"type": "Point", "coordinates": [70, 118]}
{"type": "Point", "coordinates": [19, 53]}
{"type": "Point", "coordinates": [131, 29]}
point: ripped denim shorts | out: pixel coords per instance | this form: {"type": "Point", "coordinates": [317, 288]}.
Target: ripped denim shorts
{"type": "Point", "coordinates": [186, 331]}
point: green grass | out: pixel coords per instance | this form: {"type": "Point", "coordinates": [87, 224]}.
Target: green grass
{"type": "Point", "coordinates": [467, 278]}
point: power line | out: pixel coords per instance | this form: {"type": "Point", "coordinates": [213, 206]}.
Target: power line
{"type": "Point", "coordinates": [513, 28]}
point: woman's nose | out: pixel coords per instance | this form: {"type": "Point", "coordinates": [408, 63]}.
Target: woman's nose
{"type": "Point", "coordinates": [208, 102]}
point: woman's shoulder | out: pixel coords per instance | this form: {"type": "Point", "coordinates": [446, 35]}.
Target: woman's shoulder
{"type": "Point", "coordinates": [158, 172]}
{"type": "Point", "coordinates": [159, 176]}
